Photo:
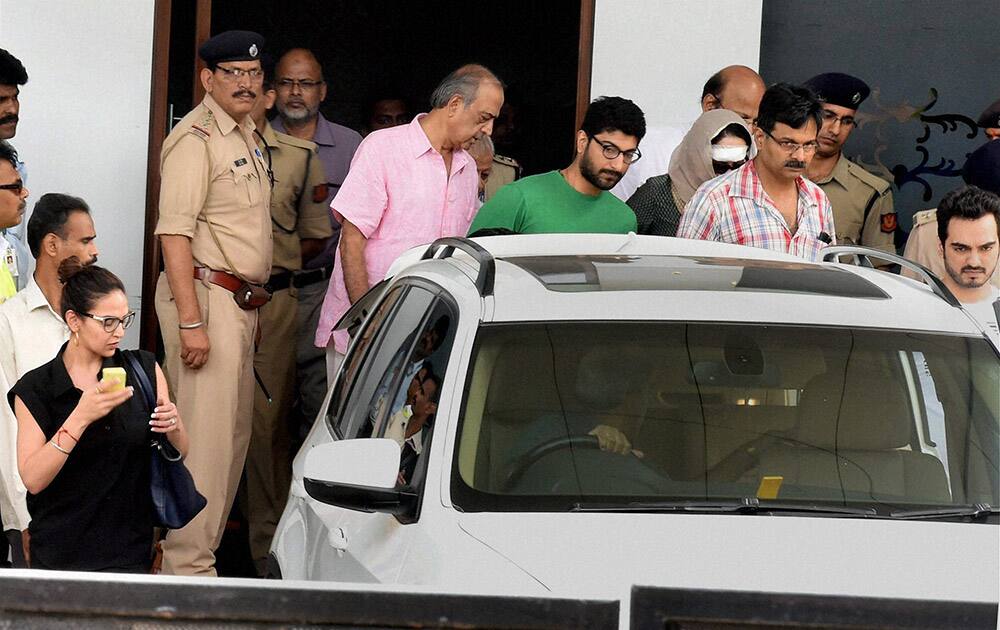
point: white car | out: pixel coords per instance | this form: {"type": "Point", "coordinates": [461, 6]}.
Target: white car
{"type": "Point", "coordinates": [619, 410]}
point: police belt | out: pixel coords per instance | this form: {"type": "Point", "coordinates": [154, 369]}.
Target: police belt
{"type": "Point", "coordinates": [297, 279]}
{"type": "Point", "coordinates": [247, 295]}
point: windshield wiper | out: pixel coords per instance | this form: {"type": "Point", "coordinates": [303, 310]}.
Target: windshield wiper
{"type": "Point", "coordinates": [975, 511]}
{"type": "Point", "coordinates": [746, 505]}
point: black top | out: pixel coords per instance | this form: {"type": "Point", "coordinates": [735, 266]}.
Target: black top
{"type": "Point", "coordinates": [97, 513]}
{"type": "Point", "coordinates": [656, 211]}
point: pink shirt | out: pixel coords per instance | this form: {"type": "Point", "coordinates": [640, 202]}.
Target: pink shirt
{"type": "Point", "coordinates": [735, 208]}
{"type": "Point", "coordinates": [399, 194]}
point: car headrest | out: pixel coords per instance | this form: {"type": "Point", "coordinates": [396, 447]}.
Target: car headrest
{"type": "Point", "coordinates": [874, 410]}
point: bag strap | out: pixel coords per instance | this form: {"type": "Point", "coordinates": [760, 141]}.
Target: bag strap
{"type": "Point", "coordinates": [141, 379]}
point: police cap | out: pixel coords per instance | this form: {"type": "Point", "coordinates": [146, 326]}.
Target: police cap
{"type": "Point", "coordinates": [982, 169]}
{"type": "Point", "coordinates": [232, 46]}
{"type": "Point", "coordinates": [990, 119]}
{"type": "Point", "coordinates": [840, 89]}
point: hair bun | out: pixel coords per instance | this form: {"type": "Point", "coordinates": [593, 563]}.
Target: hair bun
{"type": "Point", "coordinates": [69, 268]}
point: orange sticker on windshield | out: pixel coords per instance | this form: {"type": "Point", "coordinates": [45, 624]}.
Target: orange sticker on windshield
{"type": "Point", "coordinates": [769, 487]}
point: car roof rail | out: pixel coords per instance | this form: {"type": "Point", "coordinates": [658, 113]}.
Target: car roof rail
{"type": "Point", "coordinates": [863, 256]}
{"type": "Point", "coordinates": [445, 247]}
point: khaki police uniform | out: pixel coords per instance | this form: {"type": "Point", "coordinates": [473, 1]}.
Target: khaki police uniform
{"type": "Point", "coordinates": [298, 211]}
{"type": "Point", "coordinates": [213, 179]}
{"type": "Point", "coordinates": [504, 171]}
{"type": "Point", "coordinates": [922, 247]}
{"type": "Point", "coordinates": [863, 212]}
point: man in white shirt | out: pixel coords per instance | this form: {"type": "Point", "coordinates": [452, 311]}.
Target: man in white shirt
{"type": "Point", "coordinates": [736, 88]}
{"type": "Point", "coordinates": [32, 331]}
{"type": "Point", "coordinates": [968, 222]}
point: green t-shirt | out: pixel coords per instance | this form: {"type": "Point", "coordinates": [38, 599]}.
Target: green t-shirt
{"type": "Point", "coordinates": [546, 204]}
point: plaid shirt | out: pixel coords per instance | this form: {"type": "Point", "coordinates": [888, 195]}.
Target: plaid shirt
{"type": "Point", "coordinates": [734, 208]}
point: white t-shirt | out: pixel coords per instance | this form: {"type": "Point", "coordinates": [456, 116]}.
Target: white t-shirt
{"type": "Point", "coordinates": [985, 314]}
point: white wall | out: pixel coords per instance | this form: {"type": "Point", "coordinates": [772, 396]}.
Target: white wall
{"type": "Point", "coordinates": [659, 53]}
{"type": "Point", "coordinates": [85, 114]}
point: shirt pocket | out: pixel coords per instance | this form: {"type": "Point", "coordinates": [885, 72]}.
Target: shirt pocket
{"type": "Point", "coordinates": [246, 183]}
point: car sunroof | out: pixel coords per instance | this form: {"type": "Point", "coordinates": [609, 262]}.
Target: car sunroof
{"type": "Point", "coordinates": [684, 273]}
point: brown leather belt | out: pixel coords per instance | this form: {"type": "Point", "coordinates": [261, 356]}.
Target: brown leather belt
{"type": "Point", "coordinates": [248, 296]}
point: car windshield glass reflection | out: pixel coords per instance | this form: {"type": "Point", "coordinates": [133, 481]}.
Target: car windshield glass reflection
{"type": "Point", "coordinates": [561, 416]}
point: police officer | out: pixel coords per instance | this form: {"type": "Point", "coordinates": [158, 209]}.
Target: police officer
{"type": "Point", "coordinates": [989, 121]}
{"type": "Point", "coordinates": [215, 232]}
{"type": "Point", "coordinates": [299, 213]}
{"type": "Point", "coordinates": [982, 169]}
{"type": "Point", "coordinates": [504, 171]}
{"type": "Point", "coordinates": [863, 212]}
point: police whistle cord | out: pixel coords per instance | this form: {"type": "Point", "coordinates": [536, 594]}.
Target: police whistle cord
{"type": "Point", "coordinates": [260, 382]}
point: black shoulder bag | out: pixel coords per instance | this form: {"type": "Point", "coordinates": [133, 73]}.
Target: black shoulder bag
{"type": "Point", "coordinates": [175, 499]}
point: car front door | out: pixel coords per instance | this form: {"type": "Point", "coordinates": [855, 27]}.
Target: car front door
{"type": "Point", "coordinates": [399, 358]}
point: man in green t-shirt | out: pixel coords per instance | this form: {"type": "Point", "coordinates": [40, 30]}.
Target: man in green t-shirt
{"type": "Point", "coordinates": [575, 199]}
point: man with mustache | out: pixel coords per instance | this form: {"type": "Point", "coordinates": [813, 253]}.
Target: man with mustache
{"type": "Point", "coordinates": [862, 203]}
{"type": "Point", "coordinates": [576, 198]}
{"type": "Point", "coordinates": [31, 332]}
{"type": "Point", "coordinates": [768, 202]}
{"type": "Point", "coordinates": [12, 76]}
{"type": "Point", "coordinates": [12, 202]}
{"type": "Point", "coordinates": [968, 224]}
{"type": "Point", "coordinates": [215, 232]}
{"type": "Point", "coordinates": [300, 89]}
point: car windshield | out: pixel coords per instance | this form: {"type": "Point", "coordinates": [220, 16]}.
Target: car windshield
{"type": "Point", "coordinates": [712, 414]}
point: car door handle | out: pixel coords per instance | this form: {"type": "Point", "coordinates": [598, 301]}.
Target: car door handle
{"type": "Point", "coordinates": [338, 539]}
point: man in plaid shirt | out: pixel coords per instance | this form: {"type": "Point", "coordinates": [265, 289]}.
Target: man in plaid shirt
{"type": "Point", "coordinates": [767, 202]}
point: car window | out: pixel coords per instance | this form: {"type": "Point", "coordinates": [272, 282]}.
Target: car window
{"type": "Point", "coordinates": [879, 419]}
{"type": "Point", "coordinates": [405, 405]}
{"type": "Point", "coordinates": [355, 356]}
{"type": "Point", "coordinates": [390, 345]}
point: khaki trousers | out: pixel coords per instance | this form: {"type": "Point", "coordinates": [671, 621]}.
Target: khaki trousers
{"type": "Point", "coordinates": [216, 403]}
{"type": "Point", "coordinates": [269, 460]}
{"type": "Point", "coordinates": [312, 384]}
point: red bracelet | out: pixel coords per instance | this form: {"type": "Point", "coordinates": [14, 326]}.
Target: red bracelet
{"type": "Point", "coordinates": [62, 430]}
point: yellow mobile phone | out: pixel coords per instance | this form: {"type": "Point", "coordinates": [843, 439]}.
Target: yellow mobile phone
{"type": "Point", "coordinates": [114, 377]}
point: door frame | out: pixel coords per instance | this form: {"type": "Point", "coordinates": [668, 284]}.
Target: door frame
{"type": "Point", "coordinates": [159, 124]}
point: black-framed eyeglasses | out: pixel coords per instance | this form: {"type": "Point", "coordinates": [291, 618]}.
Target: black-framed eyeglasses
{"type": "Point", "coordinates": [304, 84]}
{"type": "Point", "coordinates": [611, 152]}
{"type": "Point", "coordinates": [111, 323]}
{"type": "Point", "coordinates": [831, 118]}
{"type": "Point", "coordinates": [235, 74]}
{"type": "Point", "coordinates": [15, 188]}
{"type": "Point", "coordinates": [791, 148]}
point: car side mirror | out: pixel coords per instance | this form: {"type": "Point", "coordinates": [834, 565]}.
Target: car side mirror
{"type": "Point", "coordinates": [358, 475]}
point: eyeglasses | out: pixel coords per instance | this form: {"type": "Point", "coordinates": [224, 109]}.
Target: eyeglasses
{"type": "Point", "coordinates": [831, 118]}
{"type": "Point", "coordinates": [235, 74]}
{"type": "Point", "coordinates": [791, 148]}
{"type": "Point", "coordinates": [111, 324]}
{"type": "Point", "coordinates": [304, 84]}
{"type": "Point", "coordinates": [15, 188]}
{"type": "Point", "coordinates": [611, 152]}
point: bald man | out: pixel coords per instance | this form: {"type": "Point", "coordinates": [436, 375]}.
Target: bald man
{"type": "Point", "coordinates": [300, 89]}
{"type": "Point", "coordinates": [736, 88]}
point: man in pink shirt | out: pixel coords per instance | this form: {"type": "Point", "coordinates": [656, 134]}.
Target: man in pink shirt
{"type": "Point", "coordinates": [407, 185]}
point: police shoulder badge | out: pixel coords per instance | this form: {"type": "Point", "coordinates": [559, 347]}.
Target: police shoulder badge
{"type": "Point", "coordinates": [889, 223]}
{"type": "Point", "coordinates": [320, 192]}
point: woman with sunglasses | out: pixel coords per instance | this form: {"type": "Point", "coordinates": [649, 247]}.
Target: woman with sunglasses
{"type": "Point", "coordinates": [83, 441]}
{"type": "Point", "coordinates": [718, 142]}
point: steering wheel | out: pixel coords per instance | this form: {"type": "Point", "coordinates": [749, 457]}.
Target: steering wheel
{"type": "Point", "coordinates": [526, 461]}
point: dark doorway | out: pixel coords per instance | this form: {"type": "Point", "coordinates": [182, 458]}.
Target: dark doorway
{"type": "Point", "coordinates": [371, 49]}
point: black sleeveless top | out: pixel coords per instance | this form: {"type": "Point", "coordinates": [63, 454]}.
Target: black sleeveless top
{"type": "Point", "coordinates": [97, 514]}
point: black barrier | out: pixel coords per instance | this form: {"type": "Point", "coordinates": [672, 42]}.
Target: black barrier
{"type": "Point", "coordinates": [36, 600]}
{"type": "Point", "coordinates": [682, 609]}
